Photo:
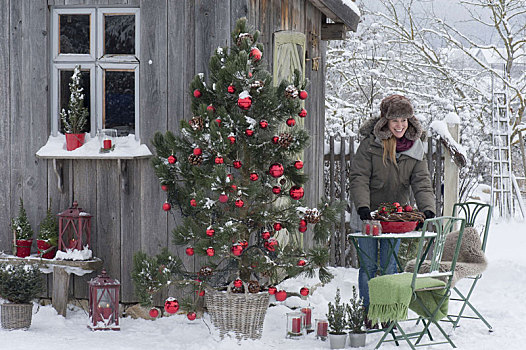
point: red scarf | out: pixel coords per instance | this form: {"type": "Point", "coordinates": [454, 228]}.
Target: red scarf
{"type": "Point", "coordinates": [403, 144]}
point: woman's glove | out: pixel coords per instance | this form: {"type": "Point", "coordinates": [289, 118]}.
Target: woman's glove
{"type": "Point", "coordinates": [429, 214]}
{"type": "Point", "coordinates": [365, 213]}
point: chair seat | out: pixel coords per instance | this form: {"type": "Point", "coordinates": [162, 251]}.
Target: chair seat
{"type": "Point", "coordinates": [462, 269]}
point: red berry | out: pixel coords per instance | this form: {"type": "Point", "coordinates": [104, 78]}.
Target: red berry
{"type": "Point", "coordinates": [218, 121]}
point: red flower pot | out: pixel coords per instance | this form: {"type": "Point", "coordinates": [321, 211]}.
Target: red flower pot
{"type": "Point", "coordinates": [23, 247]}
{"type": "Point", "coordinates": [43, 246]}
{"type": "Point", "coordinates": [74, 141]}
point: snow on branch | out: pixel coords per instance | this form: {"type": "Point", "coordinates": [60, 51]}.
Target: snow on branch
{"type": "Point", "coordinates": [457, 152]}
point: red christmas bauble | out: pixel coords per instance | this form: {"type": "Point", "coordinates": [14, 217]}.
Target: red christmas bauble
{"type": "Point", "coordinates": [244, 103]}
{"type": "Point", "coordinates": [171, 305]}
{"type": "Point", "coordinates": [231, 89]}
{"type": "Point", "coordinates": [276, 190]}
{"type": "Point", "coordinates": [210, 251]}
{"type": "Point", "coordinates": [197, 93]}
{"type": "Point", "coordinates": [232, 139]}
{"type": "Point", "coordinates": [223, 198]}
{"type": "Point", "coordinates": [277, 226]}
{"type": "Point", "coordinates": [219, 160]}
{"type": "Point", "coordinates": [298, 164]}
{"type": "Point", "coordinates": [237, 164]}
{"type": "Point", "coordinates": [166, 206]}
{"type": "Point", "coordinates": [303, 113]}
{"type": "Point", "coordinates": [263, 124]}
{"type": "Point", "coordinates": [254, 176]}
{"type": "Point", "coordinates": [233, 188]}
{"type": "Point", "coordinates": [191, 316]}
{"type": "Point", "coordinates": [238, 283]}
{"type": "Point", "coordinates": [193, 202]}
{"type": "Point", "coordinates": [271, 244]}
{"type": "Point", "coordinates": [281, 295]}
{"type": "Point", "coordinates": [303, 223]}
{"type": "Point", "coordinates": [408, 208]}
{"type": "Point", "coordinates": [302, 229]}
{"type": "Point", "coordinates": [237, 249]}
{"type": "Point", "coordinates": [275, 139]}
{"type": "Point", "coordinates": [303, 94]}
{"type": "Point", "coordinates": [396, 204]}
{"type": "Point", "coordinates": [249, 132]}
{"type": "Point", "coordinates": [239, 203]}
{"type": "Point", "coordinates": [399, 209]}
{"type": "Point", "coordinates": [172, 159]}
{"type": "Point", "coordinates": [302, 262]}
{"type": "Point", "coordinates": [164, 187]}
{"type": "Point", "coordinates": [291, 122]}
{"type": "Point", "coordinates": [189, 251]}
{"type": "Point", "coordinates": [244, 244]}
{"type": "Point", "coordinates": [265, 235]}
{"type": "Point", "coordinates": [210, 108]}
{"type": "Point", "coordinates": [255, 54]}
{"type": "Point", "coordinates": [304, 291]}
{"type": "Point", "coordinates": [250, 74]}
{"type": "Point", "coordinates": [198, 151]}
{"type": "Point", "coordinates": [272, 290]}
{"type": "Point", "coordinates": [154, 312]}
{"type": "Point", "coordinates": [210, 232]}
{"type": "Point", "coordinates": [296, 192]}
{"type": "Point", "coordinates": [276, 170]}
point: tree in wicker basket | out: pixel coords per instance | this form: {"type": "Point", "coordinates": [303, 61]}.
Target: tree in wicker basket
{"type": "Point", "coordinates": [19, 285]}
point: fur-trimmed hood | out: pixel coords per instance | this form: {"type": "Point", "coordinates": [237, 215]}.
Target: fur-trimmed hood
{"type": "Point", "coordinates": [378, 127]}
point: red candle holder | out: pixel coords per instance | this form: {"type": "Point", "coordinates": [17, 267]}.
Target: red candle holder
{"type": "Point", "coordinates": [107, 139]}
{"type": "Point", "coordinates": [294, 324]}
{"type": "Point", "coordinates": [322, 328]}
{"type": "Point", "coordinates": [307, 318]}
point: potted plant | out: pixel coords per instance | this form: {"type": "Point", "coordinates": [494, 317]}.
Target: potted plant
{"type": "Point", "coordinates": [48, 235]}
{"type": "Point", "coordinates": [22, 232]}
{"type": "Point", "coordinates": [19, 284]}
{"type": "Point", "coordinates": [337, 317]}
{"type": "Point", "coordinates": [356, 317]}
{"type": "Point", "coordinates": [76, 117]}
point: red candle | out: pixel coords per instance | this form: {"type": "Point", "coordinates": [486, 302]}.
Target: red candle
{"type": "Point", "coordinates": [367, 229]}
{"type": "Point", "coordinates": [296, 325]}
{"type": "Point", "coordinates": [106, 312]}
{"type": "Point", "coordinates": [107, 144]}
{"type": "Point", "coordinates": [307, 314]}
{"type": "Point", "coordinates": [376, 231]}
{"type": "Point", "coordinates": [322, 328]}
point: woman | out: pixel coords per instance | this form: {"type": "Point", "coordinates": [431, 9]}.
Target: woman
{"type": "Point", "coordinates": [387, 162]}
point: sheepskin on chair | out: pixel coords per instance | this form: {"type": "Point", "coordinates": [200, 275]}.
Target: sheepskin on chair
{"type": "Point", "coordinates": [470, 262]}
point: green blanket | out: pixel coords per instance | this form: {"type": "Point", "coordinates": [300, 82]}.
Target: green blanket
{"type": "Point", "coordinates": [390, 297]}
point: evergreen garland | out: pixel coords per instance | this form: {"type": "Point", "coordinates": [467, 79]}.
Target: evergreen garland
{"type": "Point", "coordinates": [21, 225]}
{"type": "Point", "coordinates": [76, 117]}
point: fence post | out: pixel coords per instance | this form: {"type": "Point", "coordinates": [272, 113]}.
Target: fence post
{"type": "Point", "coordinates": [451, 174]}
{"type": "Point", "coordinates": [331, 194]}
{"type": "Point", "coordinates": [343, 192]}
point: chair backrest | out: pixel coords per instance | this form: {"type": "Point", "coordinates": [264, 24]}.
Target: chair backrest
{"type": "Point", "coordinates": [471, 211]}
{"type": "Point", "coordinates": [442, 226]}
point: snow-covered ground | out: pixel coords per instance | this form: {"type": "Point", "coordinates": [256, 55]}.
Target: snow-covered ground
{"type": "Point", "coordinates": [499, 296]}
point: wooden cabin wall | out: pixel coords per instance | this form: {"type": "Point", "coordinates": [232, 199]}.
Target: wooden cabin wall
{"type": "Point", "coordinates": [177, 39]}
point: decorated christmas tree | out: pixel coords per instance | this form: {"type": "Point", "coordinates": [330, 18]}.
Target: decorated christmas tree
{"type": "Point", "coordinates": [236, 180]}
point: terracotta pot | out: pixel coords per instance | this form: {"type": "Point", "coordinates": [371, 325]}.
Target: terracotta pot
{"type": "Point", "coordinates": [43, 246]}
{"type": "Point", "coordinates": [74, 141]}
{"type": "Point", "coordinates": [23, 247]}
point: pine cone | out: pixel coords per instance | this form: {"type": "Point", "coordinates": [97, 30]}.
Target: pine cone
{"type": "Point", "coordinates": [285, 140]}
{"type": "Point", "coordinates": [257, 84]}
{"type": "Point", "coordinates": [195, 160]}
{"type": "Point", "coordinates": [196, 123]}
{"type": "Point", "coordinates": [205, 271]}
{"type": "Point", "coordinates": [312, 216]}
{"type": "Point", "coordinates": [253, 286]}
{"type": "Point", "coordinates": [243, 36]}
{"type": "Point", "coordinates": [291, 91]}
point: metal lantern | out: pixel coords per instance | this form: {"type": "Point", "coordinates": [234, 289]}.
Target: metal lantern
{"type": "Point", "coordinates": [104, 303]}
{"type": "Point", "coordinates": [74, 228]}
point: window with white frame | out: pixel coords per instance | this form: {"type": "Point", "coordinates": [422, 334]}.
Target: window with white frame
{"type": "Point", "coordinates": [105, 43]}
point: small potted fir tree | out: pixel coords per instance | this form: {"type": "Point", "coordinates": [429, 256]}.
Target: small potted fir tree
{"type": "Point", "coordinates": [356, 317]}
{"type": "Point", "coordinates": [337, 318]}
{"type": "Point", "coordinates": [22, 232]}
{"type": "Point", "coordinates": [76, 117]}
{"type": "Point", "coordinates": [19, 284]}
{"type": "Point", "coordinates": [48, 235]}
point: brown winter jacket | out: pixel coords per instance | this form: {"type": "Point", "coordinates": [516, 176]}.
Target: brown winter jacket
{"type": "Point", "coordinates": [373, 183]}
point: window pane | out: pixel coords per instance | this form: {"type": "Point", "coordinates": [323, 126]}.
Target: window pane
{"type": "Point", "coordinates": [119, 34]}
{"type": "Point", "coordinates": [65, 80]}
{"type": "Point", "coordinates": [119, 101]}
{"type": "Point", "coordinates": [74, 34]}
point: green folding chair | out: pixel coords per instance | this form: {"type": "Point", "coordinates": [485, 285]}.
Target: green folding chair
{"type": "Point", "coordinates": [429, 292]}
{"type": "Point", "coordinates": [471, 211]}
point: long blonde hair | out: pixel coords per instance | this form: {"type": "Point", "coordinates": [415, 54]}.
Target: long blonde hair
{"type": "Point", "coordinates": [389, 150]}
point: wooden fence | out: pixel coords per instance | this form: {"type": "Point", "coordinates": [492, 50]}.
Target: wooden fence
{"type": "Point", "coordinates": [337, 160]}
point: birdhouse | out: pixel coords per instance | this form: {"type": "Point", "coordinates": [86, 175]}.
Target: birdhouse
{"type": "Point", "coordinates": [74, 228]}
{"type": "Point", "coordinates": [104, 303]}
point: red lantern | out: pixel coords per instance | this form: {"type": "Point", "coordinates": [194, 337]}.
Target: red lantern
{"type": "Point", "coordinates": [265, 235]}
{"type": "Point", "coordinates": [272, 290]}
{"type": "Point", "coordinates": [244, 103]}
{"type": "Point", "coordinates": [263, 124]}
{"type": "Point", "coordinates": [255, 54]}
{"type": "Point", "coordinates": [304, 291]}
{"type": "Point", "coordinates": [210, 232]}
{"type": "Point", "coordinates": [249, 132]}
{"type": "Point", "coordinates": [303, 113]}
{"type": "Point", "coordinates": [237, 164]}
{"type": "Point", "coordinates": [197, 93]}
{"type": "Point", "coordinates": [74, 228]}
{"type": "Point", "coordinates": [254, 176]}
{"type": "Point", "coordinates": [298, 164]}
{"type": "Point", "coordinates": [223, 198]}
{"type": "Point", "coordinates": [276, 170]}
{"type": "Point", "coordinates": [172, 159]}
{"type": "Point", "coordinates": [104, 303]}
{"type": "Point", "coordinates": [276, 190]}
{"type": "Point", "coordinates": [296, 192]}
{"type": "Point", "coordinates": [189, 251]}
{"type": "Point", "coordinates": [303, 94]}
{"type": "Point", "coordinates": [219, 160]}
{"type": "Point", "coordinates": [171, 305]}
{"type": "Point", "coordinates": [291, 122]}
{"type": "Point", "coordinates": [281, 295]}
{"type": "Point", "coordinates": [167, 206]}
{"type": "Point", "coordinates": [231, 89]}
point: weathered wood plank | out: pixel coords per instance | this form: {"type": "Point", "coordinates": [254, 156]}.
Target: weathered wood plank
{"type": "Point", "coordinates": [239, 9]}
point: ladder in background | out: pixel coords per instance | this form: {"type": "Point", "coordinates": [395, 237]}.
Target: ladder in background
{"type": "Point", "coordinates": [501, 170]}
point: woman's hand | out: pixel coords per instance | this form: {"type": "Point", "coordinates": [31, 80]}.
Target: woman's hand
{"type": "Point", "coordinates": [429, 214]}
{"type": "Point", "coordinates": [365, 213]}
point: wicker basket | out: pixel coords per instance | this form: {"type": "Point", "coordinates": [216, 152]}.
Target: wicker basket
{"type": "Point", "coordinates": [242, 314]}
{"type": "Point", "coordinates": [16, 316]}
